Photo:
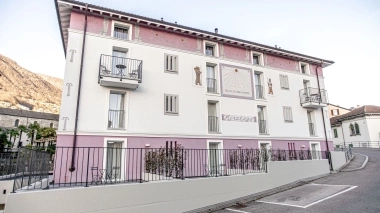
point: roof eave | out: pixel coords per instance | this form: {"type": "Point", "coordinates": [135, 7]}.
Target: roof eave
{"type": "Point", "coordinates": [60, 26]}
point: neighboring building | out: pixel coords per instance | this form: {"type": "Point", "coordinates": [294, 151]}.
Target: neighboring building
{"type": "Point", "coordinates": [359, 127]}
{"type": "Point", "coordinates": [335, 110]}
{"type": "Point", "coordinates": [145, 82]}
{"type": "Point", "coordinates": [12, 118]}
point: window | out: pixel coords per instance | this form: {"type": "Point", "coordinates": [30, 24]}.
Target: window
{"type": "Point", "coordinates": [17, 121]}
{"type": "Point", "coordinates": [257, 58]}
{"type": "Point", "coordinates": [211, 79]}
{"type": "Point", "coordinates": [315, 150]}
{"type": "Point", "coordinates": [304, 68]}
{"type": "Point", "coordinates": [352, 130]}
{"type": "Point", "coordinates": [292, 150]}
{"type": "Point", "coordinates": [171, 104]}
{"type": "Point", "coordinates": [120, 32]}
{"type": "Point", "coordinates": [262, 121]}
{"type": "Point", "coordinates": [311, 124]}
{"type": "Point", "coordinates": [116, 112]}
{"type": "Point", "coordinates": [258, 85]}
{"type": "Point", "coordinates": [284, 81]}
{"type": "Point", "coordinates": [335, 133]}
{"type": "Point", "coordinates": [171, 63]}
{"type": "Point", "coordinates": [357, 130]}
{"type": "Point", "coordinates": [114, 158]}
{"type": "Point", "coordinates": [288, 116]}
{"type": "Point", "coordinates": [210, 49]}
{"type": "Point", "coordinates": [335, 112]}
{"type": "Point", "coordinates": [51, 125]}
{"type": "Point", "coordinates": [213, 119]}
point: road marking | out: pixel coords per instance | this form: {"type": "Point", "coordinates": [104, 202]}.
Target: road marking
{"type": "Point", "coordinates": [234, 210]}
{"type": "Point", "coordinates": [283, 204]}
{"type": "Point", "coordinates": [331, 196]}
{"type": "Point", "coordinates": [321, 184]}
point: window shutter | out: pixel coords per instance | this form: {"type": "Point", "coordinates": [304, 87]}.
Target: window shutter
{"type": "Point", "coordinates": [284, 82]}
{"type": "Point", "coordinates": [288, 116]}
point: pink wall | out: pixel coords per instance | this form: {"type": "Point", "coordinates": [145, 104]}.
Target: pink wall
{"type": "Point", "coordinates": [94, 23]}
{"type": "Point", "coordinates": [313, 72]}
{"type": "Point", "coordinates": [234, 53]}
{"type": "Point", "coordinates": [281, 63]}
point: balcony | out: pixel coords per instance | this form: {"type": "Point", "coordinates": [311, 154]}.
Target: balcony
{"type": "Point", "coordinates": [119, 72]}
{"type": "Point", "coordinates": [313, 98]}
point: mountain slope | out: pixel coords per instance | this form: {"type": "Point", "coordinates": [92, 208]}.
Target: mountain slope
{"type": "Point", "coordinates": [22, 89]}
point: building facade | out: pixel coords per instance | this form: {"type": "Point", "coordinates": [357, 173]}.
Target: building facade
{"type": "Point", "coordinates": [147, 82]}
{"type": "Point", "coordinates": [358, 128]}
{"type": "Point", "coordinates": [336, 110]}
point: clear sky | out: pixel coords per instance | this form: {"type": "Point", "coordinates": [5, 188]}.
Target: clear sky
{"type": "Point", "coordinates": [347, 32]}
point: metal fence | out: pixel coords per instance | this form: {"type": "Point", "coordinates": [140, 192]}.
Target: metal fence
{"type": "Point", "coordinates": [118, 67]}
{"type": "Point", "coordinates": [360, 144]}
{"type": "Point", "coordinates": [313, 95]}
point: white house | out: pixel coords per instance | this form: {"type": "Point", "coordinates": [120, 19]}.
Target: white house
{"type": "Point", "coordinates": [132, 81]}
{"type": "Point", "coordinates": [357, 128]}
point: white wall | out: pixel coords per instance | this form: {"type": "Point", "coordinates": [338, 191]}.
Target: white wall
{"type": "Point", "coordinates": [339, 140]}
{"type": "Point", "coordinates": [6, 185]}
{"type": "Point", "coordinates": [373, 125]}
{"type": "Point", "coordinates": [165, 196]}
{"type": "Point", "coordinates": [338, 159]}
{"type": "Point", "coordinates": [364, 133]}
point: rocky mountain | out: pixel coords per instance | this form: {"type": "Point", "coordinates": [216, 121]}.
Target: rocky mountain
{"type": "Point", "coordinates": [23, 89]}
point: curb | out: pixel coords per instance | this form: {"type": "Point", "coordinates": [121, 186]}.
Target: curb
{"type": "Point", "coordinates": [362, 167]}
{"type": "Point", "coordinates": [344, 166]}
{"type": "Point", "coordinates": [256, 196]}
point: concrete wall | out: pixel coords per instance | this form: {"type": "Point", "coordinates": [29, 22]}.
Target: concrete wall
{"type": "Point", "coordinates": [6, 185]}
{"type": "Point", "coordinates": [165, 196]}
{"type": "Point", "coordinates": [338, 159]}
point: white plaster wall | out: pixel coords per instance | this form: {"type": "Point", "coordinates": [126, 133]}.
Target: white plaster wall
{"type": "Point", "coordinates": [6, 185]}
{"type": "Point", "coordinates": [373, 124]}
{"type": "Point", "coordinates": [145, 113]}
{"type": "Point", "coordinates": [339, 140]}
{"type": "Point", "coordinates": [338, 159]}
{"type": "Point", "coordinates": [364, 133]}
{"type": "Point", "coordinates": [165, 196]}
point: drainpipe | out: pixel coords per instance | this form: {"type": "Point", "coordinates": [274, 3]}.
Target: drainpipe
{"type": "Point", "coordinates": [344, 140]}
{"type": "Point", "coordinates": [72, 167]}
{"type": "Point", "coordinates": [323, 116]}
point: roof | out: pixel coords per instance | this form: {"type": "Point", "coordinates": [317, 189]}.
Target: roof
{"type": "Point", "coordinates": [29, 114]}
{"type": "Point", "coordinates": [64, 7]}
{"type": "Point", "coordinates": [357, 112]}
{"type": "Point", "coordinates": [340, 107]}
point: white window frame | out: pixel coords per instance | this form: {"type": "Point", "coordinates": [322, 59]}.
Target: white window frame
{"type": "Point", "coordinates": [216, 48]}
{"type": "Point", "coordinates": [268, 150]}
{"type": "Point", "coordinates": [288, 114]}
{"type": "Point", "coordinates": [282, 83]}
{"type": "Point", "coordinates": [335, 130]}
{"type": "Point", "coordinates": [175, 70]}
{"type": "Point", "coordinates": [262, 83]}
{"type": "Point", "coordinates": [261, 58]}
{"type": "Point", "coordinates": [307, 67]}
{"type": "Point", "coordinates": [122, 24]}
{"type": "Point", "coordinates": [126, 98]}
{"type": "Point", "coordinates": [218, 104]}
{"type": "Point", "coordinates": [124, 142]}
{"type": "Point", "coordinates": [318, 149]}
{"type": "Point", "coordinates": [265, 113]}
{"type": "Point", "coordinates": [220, 147]}
{"type": "Point", "coordinates": [217, 77]}
{"type": "Point", "coordinates": [176, 110]}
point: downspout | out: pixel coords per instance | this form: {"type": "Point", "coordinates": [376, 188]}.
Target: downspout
{"type": "Point", "coordinates": [344, 140]}
{"type": "Point", "coordinates": [323, 116]}
{"type": "Point", "coordinates": [72, 167]}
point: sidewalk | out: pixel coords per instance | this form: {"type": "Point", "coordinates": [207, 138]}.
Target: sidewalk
{"type": "Point", "coordinates": [355, 163]}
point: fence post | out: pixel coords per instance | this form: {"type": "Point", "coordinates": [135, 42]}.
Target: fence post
{"type": "Point", "coordinates": [88, 163]}
{"type": "Point", "coordinates": [330, 161]}
{"type": "Point", "coordinates": [141, 166]}
{"type": "Point", "coordinates": [242, 155]}
{"type": "Point", "coordinates": [183, 166]}
{"type": "Point", "coordinates": [14, 181]}
{"type": "Point", "coordinates": [217, 164]}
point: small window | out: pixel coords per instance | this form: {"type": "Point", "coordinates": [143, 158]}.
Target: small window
{"type": "Point", "coordinates": [210, 49]}
{"type": "Point", "coordinates": [335, 112]}
{"type": "Point", "coordinates": [357, 130]}
{"type": "Point", "coordinates": [288, 116]}
{"type": "Point", "coordinates": [352, 130]}
{"type": "Point", "coordinates": [116, 113]}
{"type": "Point", "coordinates": [304, 68]}
{"type": "Point", "coordinates": [284, 81]}
{"type": "Point", "coordinates": [256, 59]}
{"type": "Point", "coordinates": [171, 104]}
{"type": "Point", "coordinates": [120, 32]}
{"type": "Point", "coordinates": [335, 133]}
{"type": "Point", "coordinates": [51, 125]}
{"type": "Point", "coordinates": [17, 121]}
{"type": "Point", "coordinates": [171, 63]}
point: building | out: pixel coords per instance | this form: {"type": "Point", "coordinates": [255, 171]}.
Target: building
{"type": "Point", "coordinates": [12, 118]}
{"type": "Point", "coordinates": [147, 83]}
{"type": "Point", "coordinates": [336, 110]}
{"type": "Point", "coordinates": [358, 128]}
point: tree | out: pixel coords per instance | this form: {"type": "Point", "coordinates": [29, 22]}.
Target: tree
{"type": "Point", "coordinates": [21, 128]}
{"type": "Point", "coordinates": [3, 139]}
{"type": "Point", "coordinates": [32, 130]}
{"type": "Point", "coordinates": [13, 133]}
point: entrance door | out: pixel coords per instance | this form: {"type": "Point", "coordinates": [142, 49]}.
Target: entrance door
{"type": "Point", "coordinates": [113, 161]}
{"type": "Point", "coordinates": [215, 160]}
{"type": "Point", "coordinates": [315, 151]}
{"type": "Point", "coordinates": [119, 58]}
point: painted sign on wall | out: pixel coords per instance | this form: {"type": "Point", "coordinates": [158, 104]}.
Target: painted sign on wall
{"type": "Point", "coordinates": [238, 118]}
{"type": "Point", "coordinates": [236, 82]}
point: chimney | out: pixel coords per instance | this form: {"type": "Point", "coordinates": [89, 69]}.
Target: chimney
{"type": "Point", "coordinates": [357, 106]}
{"type": "Point", "coordinates": [175, 22]}
{"type": "Point", "coordinates": [275, 46]}
{"type": "Point", "coordinates": [162, 19]}
{"type": "Point", "coordinates": [216, 30]}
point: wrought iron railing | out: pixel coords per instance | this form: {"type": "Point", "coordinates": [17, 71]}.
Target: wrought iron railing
{"type": "Point", "coordinates": [311, 129]}
{"type": "Point", "coordinates": [118, 67]}
{"type": "Point", "coordinates": [116, 119]}
{"type": "Point", "coordinates": [360, 144]}
{"type": "Point", "coordinates": [211, 85]}
{"type": "Point", "coordinates": [313, 95]}
{"type": "Point", "coordinates": [213, 124]}
{"type": "Point", "coordinates": [263, 127]}
{"type": "Point", "coordinates": [259, 92]}
{"type": "Point", "coordinates": [289, 155]}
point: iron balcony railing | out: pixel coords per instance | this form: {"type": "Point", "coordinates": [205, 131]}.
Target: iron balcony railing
{"type": "Point", "coordinates": [313, 95]}
{"type": "Point", "coordinates": [211, 85]}
{"type": "Point", "coordinates": [311, 129]}
{"type": "Point", "coordinates": [259, 92]}
{"type": "Point", "coordinates": [122, 68]}
{"type": "Point", "coordinates": [360, 144]}
{"type": "Point", "coordinates": [262, 126]}
{"type": "Point", "coordinates": [116, 119]}
{"type": "Point", "coordinates": [213, 124]}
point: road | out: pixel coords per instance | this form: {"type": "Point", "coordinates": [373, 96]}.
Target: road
{"type": "Point", "coordinates": [365, 198]}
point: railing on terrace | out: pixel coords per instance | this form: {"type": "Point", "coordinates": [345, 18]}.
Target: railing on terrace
{"type": "Point", "coordinates": [312, 95]}
{"type": "Point", "coordinates": [118, 67]}
{"type": "Point", "coordinates": [360, 144]}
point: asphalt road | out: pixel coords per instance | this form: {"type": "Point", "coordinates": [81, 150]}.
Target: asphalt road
{"type": "Point", "coordinates": [365, 198]}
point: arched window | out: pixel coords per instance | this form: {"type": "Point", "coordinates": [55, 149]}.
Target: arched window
{"type": "Point", "coordinates": [352, 129]}
{"type": "Point", "coordinates": [51, 125]}
{"type": "Point", "coordinates": [357, 130]}
{"type": "Point", "coordinates": [17, 122]}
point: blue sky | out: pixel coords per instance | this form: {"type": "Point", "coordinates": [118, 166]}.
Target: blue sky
{"type": "Point", "coordinates": [347, 32]}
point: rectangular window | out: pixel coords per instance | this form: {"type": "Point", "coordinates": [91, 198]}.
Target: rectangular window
{"type": "Point", "coordinates": [171, 104]}
{"type": "Point", "coordinates": [258, 85]}
{"type": "Point", "coordinates": [335, 112]}
{"type": "Point", "coordinates": [303, 68]}
{"type": "Point", "coordinates": [114, 159]}
{"type": "Point", "coordinates": [120, 32]}
{"type": "Point", "coordinates": [171, 63]}
{"type": "Point", "coordinates": [261, 119]}
{"type": "Point", "coordinates": [335, 133]}
{"type": "Point", "coordinates": [210, 49]}
{"type": "Point", "coordinates": [116, 111]}
{"type": "Point", "coordinates": [311, 124]}
{"type": "Point", "coordinates": [211, 79]}
{"type": "Point", "coordinates": [256, 59]}
{"type": "Point", "coordinates": [284, 81]}
{"type": "Point", "coordinates": [213, 119]}
{"type": "Point", "coordinates": [288, 116]}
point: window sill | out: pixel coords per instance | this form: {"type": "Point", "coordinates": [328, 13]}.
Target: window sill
{"type": "Point", "coordinates": [285, 88]}
{"type": "Point", "coordinates": [313, 136]}
{"type": "Point", "coordinates": [261, 99]}
{"type": "Point", "coordinates": [213, 94]}
{"type": "Point", "coordinates": [172, 114]}
{"type": "Point", "coordinates": [288, 121]}
{"type": "Point", "coordinates": [214, 133]}
{"type": "Point", "coordinates": [119, 129]}
{"type": "Point", "coordinates": [171, 72]}
{"type": "Point", "coordinates": [121, 39]}
{"type": "Point", "coordinates": [264, 134]}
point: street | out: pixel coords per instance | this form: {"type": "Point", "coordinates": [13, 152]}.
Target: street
{"type": "Point", "coordinates": [355, 191]}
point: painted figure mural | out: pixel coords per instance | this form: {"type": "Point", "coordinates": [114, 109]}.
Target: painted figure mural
{"type": "Point", "coordinates": [198, 76]}
{"type": "Point", "coordinates": [270, 89]}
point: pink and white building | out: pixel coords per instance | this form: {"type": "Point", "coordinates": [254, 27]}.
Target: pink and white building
{"type": "Point", "coordinates": [135, 82]}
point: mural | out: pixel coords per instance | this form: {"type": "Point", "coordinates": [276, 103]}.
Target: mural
{"type": "Point", "coordinates": [68, 88]}
{"type": "Point", "coordinates": [270, 87]}
{"type": "Point", "coordinates": [236, 82]}
{"type": "Point", "coordinates": [198, 76]}
{"type": "Point", "coordinates": [72, 55]}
